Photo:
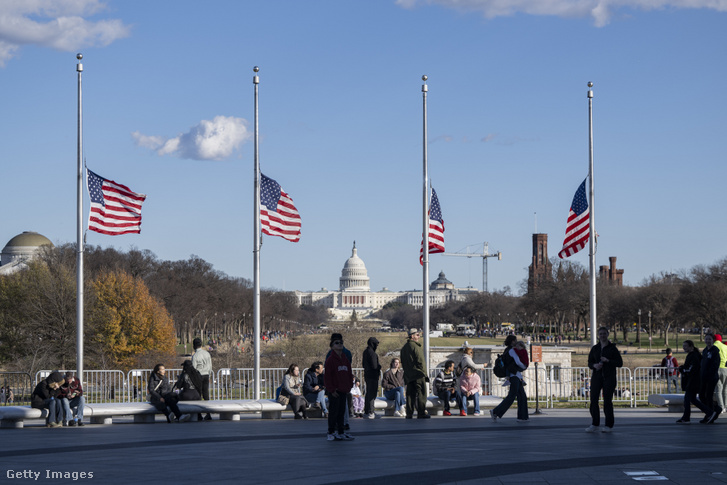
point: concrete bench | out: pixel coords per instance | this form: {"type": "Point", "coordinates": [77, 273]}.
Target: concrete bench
{"type": "Point", "coordinates": [143, 412]}
{"type": "Point", "coordinates": [673, 402]}
{"type": "Point", "coordinates": [436, 405]}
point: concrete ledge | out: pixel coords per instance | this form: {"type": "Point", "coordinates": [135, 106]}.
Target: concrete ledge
{"type": "Point", "coordinates": [673, 402]}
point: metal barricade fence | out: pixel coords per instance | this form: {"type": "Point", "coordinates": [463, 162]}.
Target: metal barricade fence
{"type": "Point", "coordinates": [137, 380]}
{"type": "Point", "coordinates": [654, 380]}
{"type": "Point", "coordinates": [15, 388]}
{"type": "Point", "coordinates": [573, 385]}
{"type": "Point", "coordinates": [98, 386]}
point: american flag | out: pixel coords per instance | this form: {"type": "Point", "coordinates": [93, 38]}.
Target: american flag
{"type": "Point", "coordinates": [278, 215]}
{"type": "Point", "coordinates": [436, 229]}
{"type": "Point", "coordinates": [577, 228]}
{"type": "Point", "coordinates": [115, 208]}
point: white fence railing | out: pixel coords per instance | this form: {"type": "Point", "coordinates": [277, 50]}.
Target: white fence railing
{"type": "Point", "coordinates": [554, 384]}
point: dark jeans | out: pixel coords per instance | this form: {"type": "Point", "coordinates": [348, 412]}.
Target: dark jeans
{"type": "Point", "coordinates": [416, 395]}
{"type": "Point", "coordinates": [446, 395]}
{"type": "Point", "coordinates": [372, 387]}
{"type": "Point", "coordinates": [170, 401]}
{"type": "Point", "coordinates": [690, 397]}
{"type": "Point", "coordinates": [517, 391]}
{"type": "Point", "coordinates": [205, 388]}
{"type": "Point", "coordinates": [706, 396]}
{"type": "Point", "coordinates": [336, 412]}
{"type": "Point", "coordinates": [608, 386]}
{"type": "Point", "coordinates": [55, 410]}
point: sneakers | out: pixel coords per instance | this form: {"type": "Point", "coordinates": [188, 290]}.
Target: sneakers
{"type": "Point", "coordinates": [591, 429]}
{"type": "Point", "coordinates": [80, 423]}
{"type": "Point", "coordinates": [523, 420]}
{"type": "Point", "coordinates": [370, 416]}
{"type": "Point", "coordinates": [398, 414]}
{"type": "Point", "coordinates": [72, 422]}
{"type": "Point", "coordinates": [347, 437]}
{"type": "Point", "coordinates": [447, 413]}
{"type": "Point", "coordinates": [477, 413]}
{"type": "Point", "coordinates": [683, 421]}
{"type": "Point", "coordinates": [424, 416]}
{"type": "Point", "coordinates": [65, 423]}
{"type": "Point", "coordinates": [714, 417]}
{"type": "Point", "coordinates": [184, 418]}
{"type": "Point", "coordinates": [493, 416]}
{"type": "Point", "coordinates": [606, 429]}
{"type": "Point", "coordinates": [54, 424]}
{"type": "Point", "coordinates": [333, 437]}
{"type": "Point", "coordinates": [462, 412]}
{"type": "Point", "coordinates": [705, 420]}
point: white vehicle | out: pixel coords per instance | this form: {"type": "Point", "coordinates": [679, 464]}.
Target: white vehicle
{"type": "Point", "coordinates": [447, 329]}
{"type": "Point", "coordinates": [465, 330]}
{"type": "Point", "coordinates": [436, 333]}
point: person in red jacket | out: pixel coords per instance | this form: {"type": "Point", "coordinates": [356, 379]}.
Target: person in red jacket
{"type": "Point", "coordinates": [339, 379]}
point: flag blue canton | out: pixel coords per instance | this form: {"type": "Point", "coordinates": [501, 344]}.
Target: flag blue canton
{"type": "Point", "coordinates": [580, 203]}
{"type": "Point", "coordinates": [269, 192]}
{"type": "Point", "coordinates": [94, 188]}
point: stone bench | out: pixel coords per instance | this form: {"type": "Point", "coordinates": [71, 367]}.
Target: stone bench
{"type": "Point", "coordinates": [143, 412]}
{"type": "Point", "coordinates": [436, 405]}
{"type": "Point", "coordinates": [673, 402]}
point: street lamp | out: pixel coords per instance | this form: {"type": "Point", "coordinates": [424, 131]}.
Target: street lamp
{"type": "Point", "coordinates": [638, 330]}
{"type": "Point", "coordinates": [649, 330]}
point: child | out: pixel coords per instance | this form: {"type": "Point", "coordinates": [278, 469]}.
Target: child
{"type": "Point", "coordinates": [522, 352]}
{"type": "Point", "coordinates": [358, 400]}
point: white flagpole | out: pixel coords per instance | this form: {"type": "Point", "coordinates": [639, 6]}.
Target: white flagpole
{"type": "Point", "coordinates": [425, 226]}
{"type": "Point", "coordinates": [592, 217]}
{"type": "Point", "coordinates": [256, 247]}
{"type": "Point", "coordinates": [79, 231]}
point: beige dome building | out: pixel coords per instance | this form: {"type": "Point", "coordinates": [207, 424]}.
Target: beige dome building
{"type": "Point", "coordinates": [355, 292]}
{"type": "Point", "coordinates": [20, 249]}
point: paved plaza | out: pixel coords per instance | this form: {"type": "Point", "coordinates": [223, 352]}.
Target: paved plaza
{"type": "Point", "coordinates": [553, 448]}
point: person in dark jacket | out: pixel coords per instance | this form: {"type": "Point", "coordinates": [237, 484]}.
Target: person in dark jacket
{"type": "Point", "coordinates": [514, 368]}
{"type": "Point", "coordinates": [415, 375]}
{"type": "Point", "coordinates": [690, 380]}
{"type": "Point", "coordinates": [604, 358]}
{"type": "Point", "coordinates": [45, 397]}
{"type": "Point", "coordinates": [313, 387]}
{"type": "Point", "coordinates": [372, 372]}
{"type": "Point", "coordinates": [162, 397]}
{"type": "Point", "coordinates": [338, 382]}
{"type": "Point", "coordinates": [189, 383]}
{"type": "Point", "coordinates": [709, 375]}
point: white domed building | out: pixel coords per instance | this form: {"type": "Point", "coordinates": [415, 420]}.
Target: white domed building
{"type": "Point", "coordinates": [355, 293]}
{"type": "Point", "coordinates": [21, 249]}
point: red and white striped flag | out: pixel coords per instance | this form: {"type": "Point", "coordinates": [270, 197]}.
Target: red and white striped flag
{"type": "Point", "coordinates": [278, 215]}
{"type": "Point", "coordinates": [436, 229]}
{"type": "Point", "coordinates": [115, 208]}
{"type": "Point", "coordinates": [577, 228]}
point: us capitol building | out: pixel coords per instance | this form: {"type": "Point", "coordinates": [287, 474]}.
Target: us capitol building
{"type": "Point", "coordinates": [355, 294]}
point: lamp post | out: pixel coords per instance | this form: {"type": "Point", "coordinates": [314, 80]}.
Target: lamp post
{"type": "Point", "coordinates": [649, 330]}
{"type": "Point", "coordinates": [638, 330]}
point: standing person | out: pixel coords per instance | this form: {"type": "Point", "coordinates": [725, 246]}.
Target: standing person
{"type": "Point", "coordinates": [44, 397]}
{"type": "Point", "coordinates": [349, 356]}
{"type": "Point", "coordinates": [202, 361]}
{"type": "Point", "coordinates": [604, 358]}
{"type": "Point", "coordinates": [339, 379]}
{"type": "Point", "coordinates": [469, 390]}
{"type": "Point", "coordinates": [71, 396]}
{"type": "Point", "coordinates": [415, 376]}
{"type": "Point", "coordinates": [292, 388]}
{"type": "Point", "coordinates": [393, 385]}
{"type": "Point", "coordinates": [670, 362]}
{"type": "Point", "coordinates": [445, 386]}
{"type": "Point", "coordinates": [690, 380]}
{"type": "Point", "coordinates": [709, 375]}
{"type": "Point", "coordinates": [313, 387]}
{"type": "Point", "coordinates": [162, 397]}
{"type": "Point", "coordinates": [720, 389]}
{"type": "Point", "coordinates": [514, 367]}
{"type": "Point", "coordinates": [372, 372]}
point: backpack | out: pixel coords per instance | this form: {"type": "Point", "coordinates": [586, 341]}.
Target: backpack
{"type": "Point", "coordinates": [499, 368]}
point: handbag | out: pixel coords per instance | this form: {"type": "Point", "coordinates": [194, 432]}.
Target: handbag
{"type": "Point", "coordinates": [282, 399]}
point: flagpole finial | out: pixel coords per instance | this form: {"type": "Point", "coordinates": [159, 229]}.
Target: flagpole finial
{"type": "Point", "coordinates": [425, 88]}
{"type": "Point", "coordinates": [590, 91]}
{"type": "Point", "coordinates": [256, 78]}
{"type": "Point", "coordinates": [79, 56]}
{"type": "Point", "coordinates": [590, 84]}
{"type": "Point", "coordinates": [424, 78]}
{"type": "Point", "coordinates": [256, 69]}
{"type": "Point", "coordinates": [79, 66]}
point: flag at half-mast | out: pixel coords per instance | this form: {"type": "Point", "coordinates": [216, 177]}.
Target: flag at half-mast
{"type": "Point", "coordinates": [436, 229]}
{"type": "Point", "coordinates": [278, 215]}
{"type": "Point", "coordinates": [577, 229]}
{"type": "Point", "coordinates": [115, 208]}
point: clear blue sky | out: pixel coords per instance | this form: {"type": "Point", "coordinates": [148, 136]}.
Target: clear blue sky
{"type": "Point", "coordinates": [340, 128]}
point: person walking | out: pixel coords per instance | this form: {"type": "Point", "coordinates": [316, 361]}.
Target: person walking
{"type": "Point", "coordinates": [514, 367]}
{"type": "Point", "coordinates": [709, 376]}
{"type": "Point", "coordinates": [604, 358]}
{"type": "Point", "coordinates": [690, 380]}
{"type": "Point", "coordinates": [415, 376]}
{"type": "Point", "coordinates": [202, 361]}
{"type": "Point", "coordinates": [720, 390]}
{"type": "Point", "coordinates": [372, 372]}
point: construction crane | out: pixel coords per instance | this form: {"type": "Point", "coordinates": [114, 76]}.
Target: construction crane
{"type": "Point", "coordinates": [484, 255]}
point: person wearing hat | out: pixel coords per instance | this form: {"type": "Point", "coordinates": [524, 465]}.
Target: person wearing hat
{"type": "Point", "coordinates": [415, 376]}
{"type": "Point", "coordinates": [44, 397]}
{"type": "Point", "coordinates": [372, 372]}
{"type": "Point", "coordinates": [202, 361]}
{"type": "Point", "coordinates": [338, 378]}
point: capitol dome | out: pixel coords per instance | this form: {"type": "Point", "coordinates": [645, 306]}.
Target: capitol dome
{"type": "Point", "coordinates": [441, 283]}
{"type": "Point", "coordinates": [354, 276]}
{"type": "Point", "coordinates": [23, 247]}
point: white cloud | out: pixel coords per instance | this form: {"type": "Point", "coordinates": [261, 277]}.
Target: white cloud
{"type": "Point", "coordinates": [600, 10]}
{"type": "Point", "coordinates": [209, 140]}
{"type": "Point", "coordinates": [59, 24]}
